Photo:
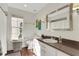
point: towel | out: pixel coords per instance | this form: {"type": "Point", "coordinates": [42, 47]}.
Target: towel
{"type": "Point", "coordinates": [34, 44]}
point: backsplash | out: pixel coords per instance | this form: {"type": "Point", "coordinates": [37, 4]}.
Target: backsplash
{"type": "Point", "coordinates": [70, 43]}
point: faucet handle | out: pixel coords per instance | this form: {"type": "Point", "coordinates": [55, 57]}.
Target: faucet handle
{"type": "Point", "coordinates": [60, 39]}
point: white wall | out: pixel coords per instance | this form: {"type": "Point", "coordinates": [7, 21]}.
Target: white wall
{"type": "Point", "coordinates": [73, 35]}
{"type": "Point", "coordinates": [4, 6]}
{"type": "Point", "coordinates": [9, 43]}
{"type": "Point", "coordinates": [27, 28]}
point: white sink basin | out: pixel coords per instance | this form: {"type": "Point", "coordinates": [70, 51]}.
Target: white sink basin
{"type": "Point", "coordinates": [50, 40]}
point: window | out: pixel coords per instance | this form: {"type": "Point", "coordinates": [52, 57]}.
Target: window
{"type": "Point", "coordinates": [16, 28]}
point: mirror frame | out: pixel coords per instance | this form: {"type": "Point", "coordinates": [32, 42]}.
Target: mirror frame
{"type": "Point", "coordinates": [70, 16]}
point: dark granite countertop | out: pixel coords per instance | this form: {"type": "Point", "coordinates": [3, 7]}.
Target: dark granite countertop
{"type": "Point", "coordinates": [64, 48]}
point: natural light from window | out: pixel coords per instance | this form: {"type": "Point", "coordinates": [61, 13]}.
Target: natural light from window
{"type": "Point", "coordinates": [16, 28]}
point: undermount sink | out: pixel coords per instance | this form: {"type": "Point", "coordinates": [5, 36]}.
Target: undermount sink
{"type": "Point", "coordinates": [50, 40]}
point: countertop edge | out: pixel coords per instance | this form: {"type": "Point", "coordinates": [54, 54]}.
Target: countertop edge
{"type": "Point", "coordinates": [57, 48]}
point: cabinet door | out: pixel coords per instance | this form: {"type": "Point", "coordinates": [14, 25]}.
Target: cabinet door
{"type": "Point", "coordinates": [42, 46]}
{"type": "Point", "coordinates": [43, 52]}
{"type": "Point", "coordinates": [50, 51]}
{"type": "Point", "coordinates": [60, 53]}
{"type": "Point", "coordinates": [47, 50]}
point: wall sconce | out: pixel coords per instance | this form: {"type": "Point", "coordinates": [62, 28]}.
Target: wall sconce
{"type": "Point", "coordinates": [77, 10]}
{"type": "Point", "coordinates": [76, 7]}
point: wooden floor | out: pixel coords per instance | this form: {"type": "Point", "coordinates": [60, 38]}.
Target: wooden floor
{"type": "Point", "coordinates": [26, 52]}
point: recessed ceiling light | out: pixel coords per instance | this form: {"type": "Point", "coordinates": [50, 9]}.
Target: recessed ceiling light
{"type": "Point", "coordinates": [34, 10]}
{"type": "Point", "coordinates": [25, 5]}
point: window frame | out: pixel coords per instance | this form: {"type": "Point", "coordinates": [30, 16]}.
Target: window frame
{"type": "Point", "coordinates": [16, 35]}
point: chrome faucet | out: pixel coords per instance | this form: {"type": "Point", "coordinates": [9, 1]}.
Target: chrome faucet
{"type": "Point", "coordinates": [60, 39]}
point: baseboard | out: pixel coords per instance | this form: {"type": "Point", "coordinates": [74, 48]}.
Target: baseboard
{"type": "Point", "coordinates": [0, 54]}
{"type": "Point", "coordinates": [12, 51]}
{"type": "Point", "coordinates": [9, 52]}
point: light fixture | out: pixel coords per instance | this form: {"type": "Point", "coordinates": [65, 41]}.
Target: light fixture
{"type": "Point", "coordinates": [76, 7]}
{"type": "Point", "coordinates": [34, 10]}
{"type": "Point", "coordinates": [25, 5]}
{"type": "Point", "coordinates": [77, 10]}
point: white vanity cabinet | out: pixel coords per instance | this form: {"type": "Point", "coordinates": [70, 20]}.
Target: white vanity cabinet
{"type": "Point", "coordinates": [60, 53]}
{"type": "Point", "coordinates": [47, 50]}
{"type": "Point", "coordinates": [50, 51]}
{"type": "Point", "coordinates": [43, 48]}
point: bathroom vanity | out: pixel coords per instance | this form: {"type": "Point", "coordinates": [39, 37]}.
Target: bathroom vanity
{"type": "Point", "coordinates": [50, 47]}
{"type": "Point", "coordinates": [47, 50]}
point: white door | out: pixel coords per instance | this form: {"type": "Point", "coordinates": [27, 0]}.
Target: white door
{"type": "Point", "coordinates": [3, 29]}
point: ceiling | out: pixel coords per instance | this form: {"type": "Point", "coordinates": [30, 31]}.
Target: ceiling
{"type": "Point", "coordinates": [31, 7]}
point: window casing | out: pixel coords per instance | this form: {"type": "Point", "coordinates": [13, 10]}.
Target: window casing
{"type": "Point", "coordinates": [16, 28]}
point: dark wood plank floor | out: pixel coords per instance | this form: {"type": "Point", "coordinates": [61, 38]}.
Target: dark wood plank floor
{"type": "Point", "coordinates": [26, 52]}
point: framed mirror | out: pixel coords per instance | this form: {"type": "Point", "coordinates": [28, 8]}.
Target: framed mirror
{"type": "Point", "coordinates": [61, 19]}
